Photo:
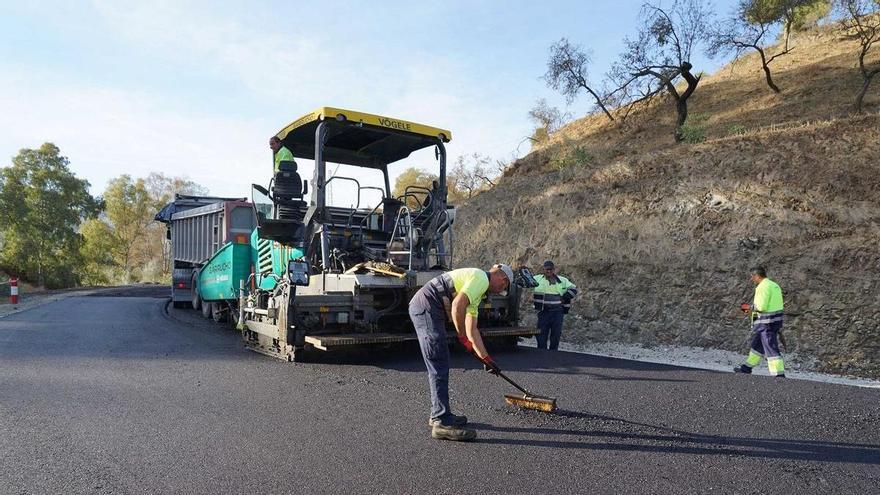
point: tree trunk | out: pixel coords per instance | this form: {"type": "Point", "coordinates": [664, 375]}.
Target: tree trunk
{"type": "Point", "coordinates": [787, 36]}
{"type": "Point", "coordinates": [770, 79]}
{"type": "Point", "coordinates": [681, 107]}
{"type": "Point", "coordinates": [583, 83]}
{"type": "Point", "coordinates": [860, 98]}
{"type": "Point", "coordinates": [766, 68]}
{"type": "Point", "coordinates": [41, 279]}
{"type": "Point", "coordinates": [601, 105]}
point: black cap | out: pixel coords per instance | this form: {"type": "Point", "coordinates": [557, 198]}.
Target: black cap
{"type": "Point", "coordinates": [549, 264]}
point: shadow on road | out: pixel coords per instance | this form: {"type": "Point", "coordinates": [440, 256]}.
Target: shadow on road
{"type": "Point", "coordinates": [407, 357]}
{"type": "Point", "coordinates": [655, 438]}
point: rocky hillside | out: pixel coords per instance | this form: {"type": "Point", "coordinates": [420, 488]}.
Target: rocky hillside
{"type": "Point", "coordinates": [662, 235]}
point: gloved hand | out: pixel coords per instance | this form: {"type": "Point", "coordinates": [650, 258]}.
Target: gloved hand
{"type": "Point", "coordinates": [490, 366]}
{"type": "Point", "coordinates": [466, 343]}
{"type": "Point", "coordinates": [745, 307]}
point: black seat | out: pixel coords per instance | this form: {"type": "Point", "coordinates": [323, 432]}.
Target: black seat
{"type": "Point", "coordinates": [287, 192]}
{"type": "Point", "coordinates": [288, 184]}
{"type": "Point", "coordinates": [424, 215]}
{"type": "Point", "coordinates": [390, 208]}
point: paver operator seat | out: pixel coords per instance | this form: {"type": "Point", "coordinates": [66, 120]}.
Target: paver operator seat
{"type": "Point", "coordinates": [287, 193]}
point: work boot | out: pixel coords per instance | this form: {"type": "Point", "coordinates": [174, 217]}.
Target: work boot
{"type": "Point", "coordinates": [454, 433]}
{"type": "Point", "coordinates": [451, 419]}
{"type": "Point", "coordinates": [781, 375]}
{"type": "Point", "coordinates": [743, 369]}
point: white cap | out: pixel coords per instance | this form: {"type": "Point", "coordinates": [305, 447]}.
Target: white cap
{"type": "Point", "coordinates": [508, 271]}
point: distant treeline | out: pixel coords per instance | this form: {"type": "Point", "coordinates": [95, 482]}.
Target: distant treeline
{"type": "Point", "coordinates": [54, 233]}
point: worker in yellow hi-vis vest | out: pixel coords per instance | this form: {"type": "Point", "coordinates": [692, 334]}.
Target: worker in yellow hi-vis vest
{"type": "Point", "coordinates": [767, 315]}
{"type": "Point", "coordinates": [282, 154]}
{"type": "Point", "coordinates": [552, 298]}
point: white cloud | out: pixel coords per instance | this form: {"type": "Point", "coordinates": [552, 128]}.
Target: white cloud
{"type": "Point", "coordinates": [280, 66]}
{"type": "Point", "coordinates": [304, 70]}
{"type": "Point", "coordinates": [108, 131]}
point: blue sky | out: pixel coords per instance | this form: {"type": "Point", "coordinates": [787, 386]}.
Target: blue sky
{"type": "Point", "coordinates": [197, 88]}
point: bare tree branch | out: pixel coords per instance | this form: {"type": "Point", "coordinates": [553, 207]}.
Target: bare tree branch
{"type": "Point", "coordinates": [547, 120]}
{"type": "Point", "coordinates": [567, 71]}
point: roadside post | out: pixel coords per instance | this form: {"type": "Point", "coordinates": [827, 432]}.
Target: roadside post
{"type": "Point", "coordinates": [13, 291]}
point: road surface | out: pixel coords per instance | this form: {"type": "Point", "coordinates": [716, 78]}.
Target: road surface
{"type": "Point", "coordinates": [117, 394]}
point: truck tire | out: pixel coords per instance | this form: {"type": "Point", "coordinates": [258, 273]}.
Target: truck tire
{"type": "Point", "coordinates": [196, 298]}
{"type": "Point", "coordinates": [232, 318]}
{"type": "Point", "coordinates": [207, 309]}
{"type": "Point", "coordinates": [180, 304]}
{"type": "Point", "coordinates": [219, 312]}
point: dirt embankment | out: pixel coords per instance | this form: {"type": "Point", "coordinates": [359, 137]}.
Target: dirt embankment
{"type": "Point", "coordinates": [661, 236]}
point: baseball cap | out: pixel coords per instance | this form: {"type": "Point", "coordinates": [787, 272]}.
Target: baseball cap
{"type": "Point", "coordinates": [508, 271]}
{"type": "Point", "coordinates": [549, 264]}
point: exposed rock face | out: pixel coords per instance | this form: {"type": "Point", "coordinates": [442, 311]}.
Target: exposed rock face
{"type": "Point", "coordinates": [662, 241]}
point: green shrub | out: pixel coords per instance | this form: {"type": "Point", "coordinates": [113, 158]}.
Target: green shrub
{"type": "Point", "coordinates": [694, 129]}
{"type": "Point", "coordinates": [736, 130]}
{"type": "Point", "coordinates": [571, 156]}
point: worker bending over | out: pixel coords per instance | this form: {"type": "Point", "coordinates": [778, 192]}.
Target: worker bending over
{"type": "Point", "coordinates": [766, 312]}
{"type": "Point", "coordinates": [459, 292]}
{"type": "Point", "coordinates": [552, 298]}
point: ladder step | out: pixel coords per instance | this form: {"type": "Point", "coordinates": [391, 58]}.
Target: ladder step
{"type": "Point", "coordinates": [325, 342]}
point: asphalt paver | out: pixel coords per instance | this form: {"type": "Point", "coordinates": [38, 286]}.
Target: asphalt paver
{"type": "Point", "coordinates": [116, 394]}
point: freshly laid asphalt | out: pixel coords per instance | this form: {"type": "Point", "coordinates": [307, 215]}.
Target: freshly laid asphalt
{"type": "Point", "coordinates": [117, 394]}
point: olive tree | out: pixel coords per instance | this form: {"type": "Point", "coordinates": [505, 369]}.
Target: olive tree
{"type": "Point", "coordinates": [658, 59]}
{"type": "Point", "coordinates": [861, 21]}
{"type": "Point", "coordinates": [798, 15]}
{"type": "Point", "coordinates": [749, 28]}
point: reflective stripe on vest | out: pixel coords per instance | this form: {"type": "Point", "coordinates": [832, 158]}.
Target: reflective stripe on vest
{"type": "Point", "coordinates": [767, 318]}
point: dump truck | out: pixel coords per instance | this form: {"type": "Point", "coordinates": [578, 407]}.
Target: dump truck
{"type": "Point", "coordinates": [203, 230]}
{"type": "Point", "coordinates": [325, 277]}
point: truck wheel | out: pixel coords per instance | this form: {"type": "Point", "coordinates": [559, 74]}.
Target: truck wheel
{"type": "Point", "coordinates": [179, 304]}
{"type": "Point", "coordinates": [196, 299]}
{"type": "Point", "coordinates": [219, 312]}
{"type": "Point", "coordinates": [207, 309]}
{"type": "Point", "coordinates": [232, 318]}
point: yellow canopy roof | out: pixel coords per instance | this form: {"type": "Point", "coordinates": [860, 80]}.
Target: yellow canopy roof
{"type": "Point", "coordinates": [359, 138]}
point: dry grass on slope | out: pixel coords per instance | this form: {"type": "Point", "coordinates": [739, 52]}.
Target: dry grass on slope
{"type": "Point", "coordinates": [823, 175]}
{"type": "Point", "coordinates": [819, 80]}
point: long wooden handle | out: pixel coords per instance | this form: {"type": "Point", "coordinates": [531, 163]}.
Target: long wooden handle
{"type": "Point", "coordinates": [502, 375]}
{"type": "Point", "coordinates": [524, 391]}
